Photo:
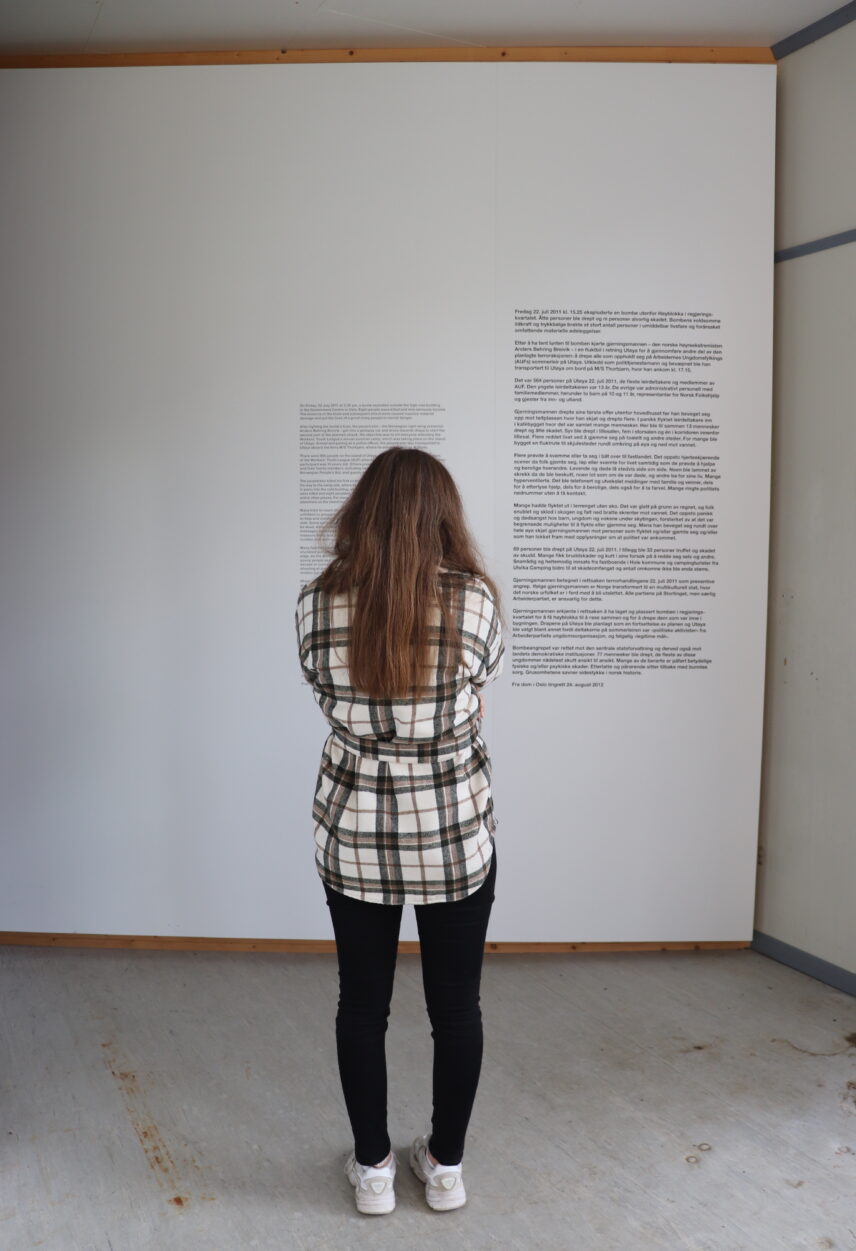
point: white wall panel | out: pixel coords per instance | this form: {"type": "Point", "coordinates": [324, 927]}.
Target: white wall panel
{"type": "Point", "coordinates": [190, 255]}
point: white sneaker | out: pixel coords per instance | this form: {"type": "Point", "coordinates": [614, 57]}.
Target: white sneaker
{"type": "Point", "coordinates": [444, 1183]}
{"type": "Point", "coordinates": [375, 1187]}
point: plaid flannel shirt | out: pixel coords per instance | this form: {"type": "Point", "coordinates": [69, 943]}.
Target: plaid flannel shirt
{"type": "Point", "coordinates": [403, 808]}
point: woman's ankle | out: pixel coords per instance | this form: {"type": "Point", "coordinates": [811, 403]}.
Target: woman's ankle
{"type": "Point", "coordinates": [434, 1162]}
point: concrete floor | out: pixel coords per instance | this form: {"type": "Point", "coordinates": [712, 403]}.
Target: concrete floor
{"type": "Point", "coordinates": [191, 1102]}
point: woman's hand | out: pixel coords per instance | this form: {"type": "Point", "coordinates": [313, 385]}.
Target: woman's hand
{"type": "Point", "coordinates": [481, 706]}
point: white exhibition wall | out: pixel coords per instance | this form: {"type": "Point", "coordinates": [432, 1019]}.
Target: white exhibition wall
{"type": "Point", "coordinates": [226, 288]}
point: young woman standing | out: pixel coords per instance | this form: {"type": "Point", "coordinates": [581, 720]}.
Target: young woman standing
{"type": "Point", "coordinates": [397, 637]}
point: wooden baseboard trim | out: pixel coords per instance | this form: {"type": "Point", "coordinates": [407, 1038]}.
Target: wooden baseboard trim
{"type": "Point", "coordinates": [26, 938]}
{"type": "Point", "coordinates": [303, 56]}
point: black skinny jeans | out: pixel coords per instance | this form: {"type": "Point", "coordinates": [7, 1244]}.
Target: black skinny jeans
{"type": "Point", "coordinates": [451, 939]}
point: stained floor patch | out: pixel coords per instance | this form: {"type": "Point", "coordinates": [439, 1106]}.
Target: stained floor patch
{"type": "Point", "coordinates": [159, 1157]}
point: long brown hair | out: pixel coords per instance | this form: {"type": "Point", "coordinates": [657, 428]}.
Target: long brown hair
{"type": "Point", "coordinates": [403, 519]}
